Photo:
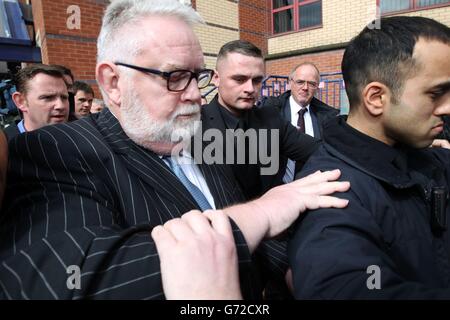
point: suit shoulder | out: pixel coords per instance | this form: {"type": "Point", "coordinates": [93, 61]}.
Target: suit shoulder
{"type": "Point", "coordinates": [65, 140]}
{"type": "Point", "coordinates": [269, 102]}
{"type": "Point", "coordinates": [267, 111]}
{"type": "Point", "coordinates": [71, 131]}
{"type": "Point", "coordinates": [277, 102]}
{"type": "Point", "coordinates": [323, 107]}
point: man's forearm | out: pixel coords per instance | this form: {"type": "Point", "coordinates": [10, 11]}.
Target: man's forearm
{"type": "Point", "coordinates": [251, 222]}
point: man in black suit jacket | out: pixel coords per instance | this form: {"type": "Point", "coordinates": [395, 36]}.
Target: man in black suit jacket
{"type": "Point", "coordinates": [84, 196]}
{"type": "Point", "coordinates": [239, 74]}
{"type": "Point", "coordinates": [300, 107]}
{"type": "Point", "coordinates": [304, 82]}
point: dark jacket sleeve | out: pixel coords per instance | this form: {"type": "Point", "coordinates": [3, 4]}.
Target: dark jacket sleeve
{"type": "Point", "coordinates": [60, 217]}
{"type": "Point", "coordinates": [333, 252]}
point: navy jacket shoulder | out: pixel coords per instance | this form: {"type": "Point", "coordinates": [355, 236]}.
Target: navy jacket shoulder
{"type": "Point", "coordinates": [385, 227]}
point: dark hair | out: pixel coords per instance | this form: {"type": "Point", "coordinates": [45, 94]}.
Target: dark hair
{"type": "Point", "coordinates": [239, 46]}
{"type": "Point", "coordinates": [82, 86]}
{"type": "Point", "coordinates": [64, 70]}
{"type": "Point", "coordinates": [385, 54]}
{"type": "Point", "coordinates": [26, 74]}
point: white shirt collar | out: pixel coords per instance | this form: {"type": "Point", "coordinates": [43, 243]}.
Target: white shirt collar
{"type": "Point", "coordinates": [295, 107]}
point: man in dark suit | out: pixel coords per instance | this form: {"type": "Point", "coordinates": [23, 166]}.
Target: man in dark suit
{"type": "Point", "coordinates": [300, 107]}
{"type": "Point", "coordinates": [304, 81]}
{"type": "Point", "coordinates": [267, 140]}
{"type": "Point", "coordinates": [238, 77]}
{"type": "Point", "coordinates": [84, 196]}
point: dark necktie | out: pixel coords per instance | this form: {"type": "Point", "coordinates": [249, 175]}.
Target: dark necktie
{"type": "Point", "coordinates": [301, 120]}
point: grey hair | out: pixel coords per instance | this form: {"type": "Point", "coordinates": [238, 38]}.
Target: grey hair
{"type": "Point", "coordinates": [112, 44]}
{"type": "Point", "coordinates": [291, 75]}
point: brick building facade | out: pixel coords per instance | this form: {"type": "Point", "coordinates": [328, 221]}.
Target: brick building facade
{"type": "Point", "coordinates": [63, 42]}
{"type": "Point", "coordinates": [341, 20]}
{"type": "Point", "coordinates": [67, 31]}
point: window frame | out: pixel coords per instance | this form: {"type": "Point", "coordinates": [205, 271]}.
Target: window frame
{"type": "Point", "coordinates": [295, 6]}
{"type": "Point", "coordinates": [413, 7]}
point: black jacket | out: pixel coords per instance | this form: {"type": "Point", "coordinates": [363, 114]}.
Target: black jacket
{"type": "Point", "coordinates": [292, 144]}
{"type": "Point", "coordinates": [321, 110]}
{"type": "Point", "coordinates": [389, 223]}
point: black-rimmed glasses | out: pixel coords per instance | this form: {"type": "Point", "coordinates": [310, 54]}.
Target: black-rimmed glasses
{"type": "Point", "coordinates": [177, 80]}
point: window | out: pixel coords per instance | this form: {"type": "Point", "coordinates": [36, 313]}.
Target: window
{"type": "Point", "coordinates": [290, 15]}
{"type": "Point", "coordinates": [12, 24]}
{"type": "Point", "coordinates": [388, 6]}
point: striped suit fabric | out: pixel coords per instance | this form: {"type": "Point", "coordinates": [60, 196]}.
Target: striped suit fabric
{"type": "Point", "coordinates": [83, 194]}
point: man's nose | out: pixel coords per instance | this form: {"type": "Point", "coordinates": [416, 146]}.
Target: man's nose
{"type": "Point", "coordinates": [249, 86]}
{"type": "Point", "coordinates": [192, 92]}
{"type": "Point", "coordinates": [444, 108]}
{"type": "Point", "coordinates": [61, 103]}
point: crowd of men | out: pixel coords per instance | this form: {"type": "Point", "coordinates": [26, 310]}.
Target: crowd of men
{"type": "Point", "coordinates": [46, 95]}
{"type": "Point", "coordinates": [124, 196]}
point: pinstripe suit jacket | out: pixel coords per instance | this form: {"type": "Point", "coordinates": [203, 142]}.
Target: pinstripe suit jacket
{"type": "Point", "coordinates": [83, 194]}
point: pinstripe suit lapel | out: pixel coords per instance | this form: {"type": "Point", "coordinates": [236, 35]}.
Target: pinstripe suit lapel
{"type": "Point", "coordinates": [145, 164]}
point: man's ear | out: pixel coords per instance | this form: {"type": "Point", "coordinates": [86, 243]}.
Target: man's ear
{"type": "Point", "coordinates": [20, 101]}
{"type": "Point", "coordinates": [376, 96]}
{"type": "Point", "coordinates": [216, 79]}
{"type": "Point", "coordinates": [108, 80]}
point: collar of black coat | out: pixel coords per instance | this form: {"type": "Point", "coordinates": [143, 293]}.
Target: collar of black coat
{"type": "Point", "coordinates": [392, 165]}
{"type": "Point", "coordinates": [231, 121]}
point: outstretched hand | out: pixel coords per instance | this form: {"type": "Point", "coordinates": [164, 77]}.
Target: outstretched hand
{"type": "Point", "coordinates": [282, 205]}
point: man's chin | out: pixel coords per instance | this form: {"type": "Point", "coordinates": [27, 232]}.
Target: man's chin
{"type": "Point", "coordinates": [57, 120]}
{"type": "Point", "coordinates": [245, 105]}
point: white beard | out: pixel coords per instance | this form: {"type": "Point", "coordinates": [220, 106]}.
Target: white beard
{"type": "Point", "coordinates": [145, 131]}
